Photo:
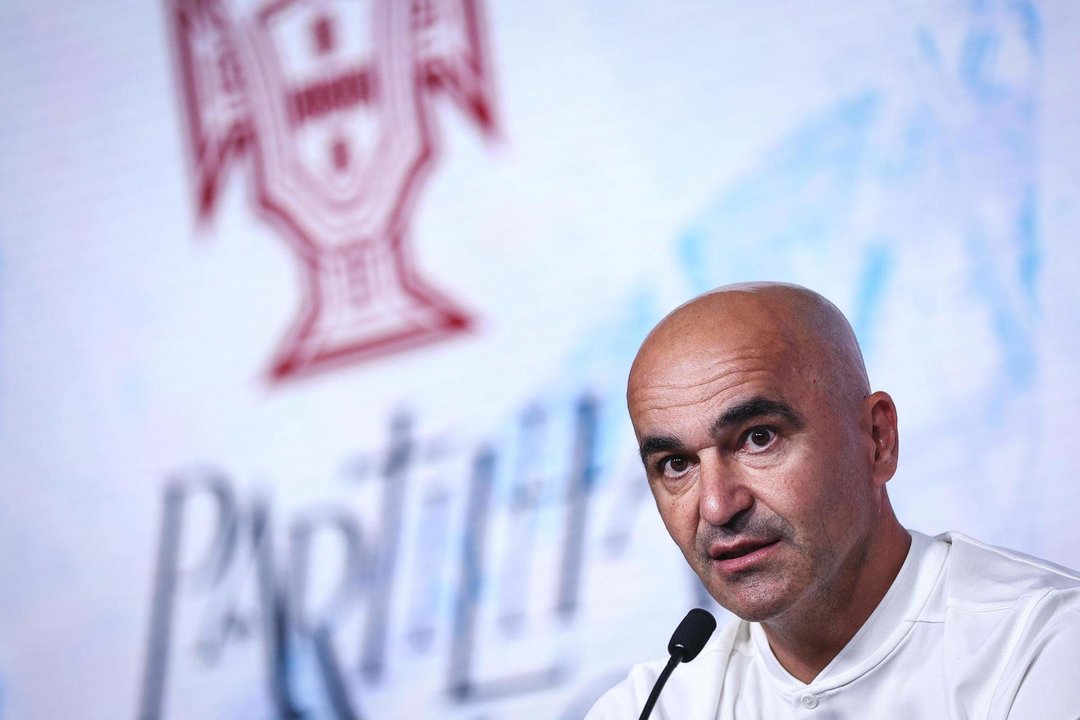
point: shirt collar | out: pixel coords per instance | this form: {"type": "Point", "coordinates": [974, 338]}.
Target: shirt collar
{"type": "Point", "coordinates": [885, 627]}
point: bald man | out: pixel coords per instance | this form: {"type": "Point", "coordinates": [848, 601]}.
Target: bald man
{"type": "Point", "coordinates": [768, 457]}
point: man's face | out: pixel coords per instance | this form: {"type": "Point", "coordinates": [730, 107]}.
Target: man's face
{"type": "Point", "coordinates": [758, 465]}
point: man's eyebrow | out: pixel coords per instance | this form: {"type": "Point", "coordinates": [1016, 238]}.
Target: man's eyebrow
{"type": "Point", "coordinates": [658, 443]}
{"type": "Point", "coordinates": [754, 408]}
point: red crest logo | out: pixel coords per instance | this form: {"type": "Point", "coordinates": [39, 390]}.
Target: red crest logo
{"type": "Point", "coordinates": [331, 103]}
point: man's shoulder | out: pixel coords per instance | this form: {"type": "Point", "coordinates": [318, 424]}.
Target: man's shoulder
{"type": "Point", "coordinates": [983, 576]}
{"type": "Point", "coordinates": [1011, 624]}
{"type": "Point", "coordinates": [987, 591]}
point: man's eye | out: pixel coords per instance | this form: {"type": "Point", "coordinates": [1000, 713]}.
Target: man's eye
{"type": "Point", "coordinates": [758, 438]}
{"type": "Point", "coordinates": [674, 466]}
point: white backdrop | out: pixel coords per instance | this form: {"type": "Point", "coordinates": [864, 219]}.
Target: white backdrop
{"type": "Point", "coordinates": [460, 528]}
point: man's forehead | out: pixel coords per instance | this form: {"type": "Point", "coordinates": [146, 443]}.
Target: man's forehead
{"type": "Point", "coordinates": [713, 371]}
{"type": "Point", "coordinates": [769, 320]}
{"type": "Point", "coordinates": [676, 356]}
{"type": "Point", "coordinates": [724, 348]}
{"type": "Point", "coordinates": [701, 404]}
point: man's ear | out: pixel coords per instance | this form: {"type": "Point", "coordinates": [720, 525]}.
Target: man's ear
{"type": "Point", "coordinates": [886, 439]}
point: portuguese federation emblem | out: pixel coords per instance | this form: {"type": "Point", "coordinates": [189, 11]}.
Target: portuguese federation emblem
{"type": "Point", "coordinates": [329, 103]}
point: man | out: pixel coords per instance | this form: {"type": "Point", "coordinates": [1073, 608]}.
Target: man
{"type": "Point", "coordinates": [768, 458]}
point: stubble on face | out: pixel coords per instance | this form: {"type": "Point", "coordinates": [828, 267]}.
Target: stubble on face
{"type": "Point", "coordinates": [714, 340]}
{"type": "Point", "coordinates": [751, 594]}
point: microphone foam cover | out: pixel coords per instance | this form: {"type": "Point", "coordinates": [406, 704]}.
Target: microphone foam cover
{"type": "Point", "coordinates": [692, 634]}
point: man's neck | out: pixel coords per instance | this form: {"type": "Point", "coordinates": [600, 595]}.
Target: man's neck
{"type": "Point", "coordinates": [805, 641]}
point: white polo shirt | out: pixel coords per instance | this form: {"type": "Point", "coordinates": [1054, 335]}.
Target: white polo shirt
{"type": "Point", "coordinates": [966, 631]}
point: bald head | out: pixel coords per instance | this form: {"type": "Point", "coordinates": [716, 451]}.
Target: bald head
{"type": "Point", "coordinates": [791, 326]}
{"type": "Point", "coordinates": [767, 456]}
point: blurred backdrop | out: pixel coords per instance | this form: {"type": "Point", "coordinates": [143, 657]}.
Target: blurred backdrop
{"type": "Point", "coordinates": [315, 317]}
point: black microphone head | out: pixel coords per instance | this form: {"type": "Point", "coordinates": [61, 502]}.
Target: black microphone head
{"type": "Point", "coordinates": [692, 634]}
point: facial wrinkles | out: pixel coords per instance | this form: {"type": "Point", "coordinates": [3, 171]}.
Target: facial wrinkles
{"type": "Point", "coordinates": [680, 387]}
{"type": "Point", "coordinates": [707, 357]}
{"type": "Point", "coordinates": [752, 525]}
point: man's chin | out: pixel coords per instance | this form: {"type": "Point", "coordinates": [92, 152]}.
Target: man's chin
{"type": "Point", "coordinates": [756, 613]}
{"type": "Point", "coordinates": [758, 602]}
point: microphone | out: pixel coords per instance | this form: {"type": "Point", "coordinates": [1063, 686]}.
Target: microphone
{"type": "Point", "coordinates": [686, 642]}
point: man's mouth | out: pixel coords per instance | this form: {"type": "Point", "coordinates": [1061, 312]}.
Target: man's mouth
{"type": "Point", "coordinates": [742, 555]}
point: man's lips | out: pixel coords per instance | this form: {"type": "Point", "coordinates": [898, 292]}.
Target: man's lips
{"type": "Point", "coordinates": [742, 555]}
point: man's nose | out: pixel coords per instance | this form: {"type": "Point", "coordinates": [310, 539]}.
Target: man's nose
{"type": "Point", "coordinates": [724, 493]}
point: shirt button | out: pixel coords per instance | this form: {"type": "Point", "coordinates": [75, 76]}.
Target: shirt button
{"type": "Point", "coordinates": [809, 701]}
